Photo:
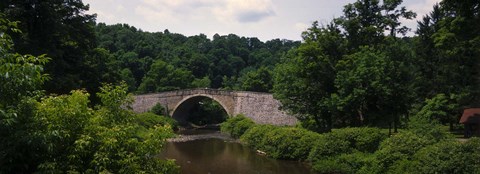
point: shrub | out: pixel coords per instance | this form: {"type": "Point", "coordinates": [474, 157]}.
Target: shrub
{"type": "Point", "coordinates": [289, 143]}
{"type": "Point", "coordinates": [158, 109]}
{"type": "Point", "coordinates": [347, 140]}
{"type": "Point", "coordinates": [254, 136]}
{"type": "Point", "coordinates": [328, 146]}
{"type": "Point", "coordinates": [449, 157]}
{"type": "Point", "coordinates": [443, 157]}
{"type": "Point", "coordinates": [364, 139]}
{"type": "Point", "coordinates": [402, 166]}
{"type": "Point", "coordinates": [429, 130]}
{"type": "Point", "coordinates": [149, 120]}
{"type": "Point", "coordinates": [426, 122]}
{"type": "Point", "coordinates": [344, 163]}
{"type": "Point", "coordinates": [330, 166]}
{"type": "Point", "coordinates": [470, 154]}
{"type": "Point", "coordinates": [280, 142]}
{"type": "Point", "coordinates": [236, 126]}
{"type": "Point", "coordinates": [401, 146]}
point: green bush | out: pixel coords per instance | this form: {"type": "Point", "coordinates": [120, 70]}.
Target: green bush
{"type": "Point", "coordinates": [400, 167]}
{"type": "Point", "coordinates": [254, 136]}
{"type": "Point", "coordinates": [426, 122]}
{"type": "Point", "coordinates": [289, 143]}
{"type": "Point", "coordinates": [449, 157]}
{"type": "Point", "coordinates": [443, 157]}
{"type": "Point", "coordinates": [236, 126]}
{"type": "Point", "coordinates": [344, 163]}
{"type": "Point", "coordinates": [401, 146]}
{"type": "Point", "coordinates": [347, 140]}
{"type": "Point", "coordinates": [364, 139]}
{"type": "Point", "coordinates": [280, 142]}
{"type": "Point", "coordinates": [330, 166]}
{"type": "Point", "coordinates": [158, 109]}
{"type": "Point", "coordinates": [328, 146]}
{"type": "Point", "coordinates": [149, 120]}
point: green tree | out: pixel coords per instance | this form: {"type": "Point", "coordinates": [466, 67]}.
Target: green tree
{"type": "Point", "coordinates": [448, 44]}
{"type": "Point", "coordinates": [305, 80]}
{"type": "Point", "coordinates": [61, 30]}
{"type": "Point", "coordinates": [164, 77]}
{"type": "Point", "coordinates": [127, 76]}
{"type": "Point", "coordinates": [366, 21]}
{"type": "Point", "coordinates": [202, 83]}
{"type": "Point", "coordinates": [80, 139]}
{"type": "Point", "coordinates": [20, 76]}
{"type": "Point", "coordinates": [259, 80]}
{"type": "Point", "coordinates": [363, 86]}
{"type": "Point", "coordinates": [348, 68]}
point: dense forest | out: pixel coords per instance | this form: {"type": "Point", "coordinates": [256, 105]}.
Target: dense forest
{"type": "Point", "coordinates": [64, 78]}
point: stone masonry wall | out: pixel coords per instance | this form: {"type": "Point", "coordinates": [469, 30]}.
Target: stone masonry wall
{"type": "Point", "coordinates": [260, 107]}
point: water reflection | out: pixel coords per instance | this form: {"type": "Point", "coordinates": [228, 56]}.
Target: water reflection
{"type": "Point", "coordinates": [222, 156]}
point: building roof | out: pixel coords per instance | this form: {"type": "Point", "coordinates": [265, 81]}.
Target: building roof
{"type": "Point", "coordinates": [470, 115]}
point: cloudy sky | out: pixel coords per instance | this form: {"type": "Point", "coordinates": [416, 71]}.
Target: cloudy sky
{"type": "Point", "coordinates": [265, 19]}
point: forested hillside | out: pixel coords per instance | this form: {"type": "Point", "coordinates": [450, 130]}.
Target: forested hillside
{"type": "Point", "coordinates": [162, 61]}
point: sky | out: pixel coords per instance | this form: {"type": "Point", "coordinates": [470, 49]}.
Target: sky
{"type": "Point", "coordinates": [264, 19]}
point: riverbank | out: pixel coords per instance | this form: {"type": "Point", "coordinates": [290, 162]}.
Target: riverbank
{"type": "Point", "coordinates": [418, 149]}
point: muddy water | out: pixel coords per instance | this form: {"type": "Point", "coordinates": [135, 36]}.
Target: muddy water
{"type": "Point", "coordinates": [206, 151]}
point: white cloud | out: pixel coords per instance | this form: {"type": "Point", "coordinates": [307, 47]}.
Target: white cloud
{"type": "Point", "coordinates": [120, 8]}
{"type": "Point", "coordinates": [265, 19]}
{"type": "Point", "coordinates": [150, 15]}
{"type": "Point", "coordinates": [245, 11]}
{"type": "Point", "coordinates": [172, 10]}
{"type": "Point", "coordinates": [423, 7]}
{"type": "Point", "coordinates": [227, 11]}
{"type": "Point", "coordinates": [300, 27]}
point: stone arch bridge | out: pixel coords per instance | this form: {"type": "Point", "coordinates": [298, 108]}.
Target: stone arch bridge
{"type": "Point", "coordinates": [260, 107]}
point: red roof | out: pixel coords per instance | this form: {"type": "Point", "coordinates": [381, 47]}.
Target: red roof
{"type": "Point", "coordinates": [468, 115]}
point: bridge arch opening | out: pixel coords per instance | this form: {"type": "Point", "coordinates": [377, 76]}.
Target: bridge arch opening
{"type": "Point", "coordinates": [199, 110]}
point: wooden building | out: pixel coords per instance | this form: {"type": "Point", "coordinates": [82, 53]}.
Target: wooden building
{"type": "Point", "coordinates": [471, 120]}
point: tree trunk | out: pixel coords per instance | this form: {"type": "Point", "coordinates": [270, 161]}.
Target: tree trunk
{"type": "Point", "coordinates": [395, 124]}
{"type": "Point", "coordinates": [390, 128]}
{"type": "Point", "coordinates": [360, 117]}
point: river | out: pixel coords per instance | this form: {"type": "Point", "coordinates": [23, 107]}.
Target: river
{"type": "Point", "coordinates": [210, 152]}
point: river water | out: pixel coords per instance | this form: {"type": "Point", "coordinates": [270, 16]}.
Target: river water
{"type": "Point", "coordinates": [210, 152]}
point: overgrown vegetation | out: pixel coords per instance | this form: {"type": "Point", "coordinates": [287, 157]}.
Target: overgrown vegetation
{"type": "Point", "coordinates": [360, 149]}
{"type": "Point", "coordinates": [63, 134]}
{"type": "Point", "coordinates": [363, 74]}
{"type": "Point", "coordinates": [236, 126]}
{"type": "Point", "coordinates": [345, 81]}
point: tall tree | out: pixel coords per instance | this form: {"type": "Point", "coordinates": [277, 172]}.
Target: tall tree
{"type": "Point", "coordinates": [305, 80]}
{"type": "Point", "coordinates": [21, 77]}
{"type": "Point", "coordinates": [366, 21]}
{"type": "Point", "coordinates": [58, 28]}
{"type": "Point", "coordinates": [363, 86]}
{"type": "Point", "coordinates": [259, 80]}
{"type": "Point", "coordinates": [448, 50]}
{"type": "Point", "coordinates": [345, 73]}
